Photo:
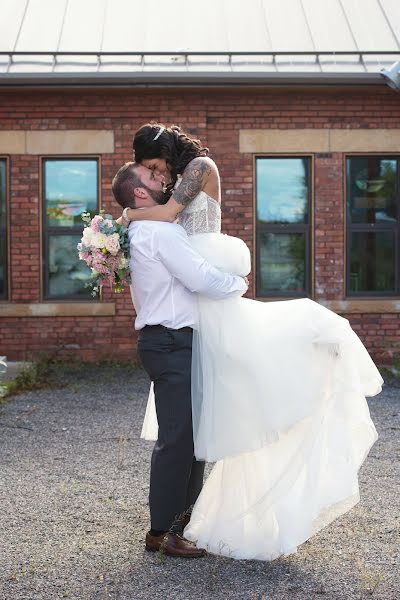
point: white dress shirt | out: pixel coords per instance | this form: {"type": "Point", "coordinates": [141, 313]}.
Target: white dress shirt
{"type": "Point", "coordinates": [167, 273]}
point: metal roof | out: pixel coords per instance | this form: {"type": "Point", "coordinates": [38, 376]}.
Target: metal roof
{"type": "Point", "coordinates": [187, 41]}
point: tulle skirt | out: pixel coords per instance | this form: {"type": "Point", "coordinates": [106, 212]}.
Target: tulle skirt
{"type": "Point", "coordinates": [278, 402]}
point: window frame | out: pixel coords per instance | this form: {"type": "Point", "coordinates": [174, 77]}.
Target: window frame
{"type": "Point", "coordinates": [371, 227]}
{"type": "Point", "coordinates": [7, 287]}
{"type": "Point", "coordinates": [45, 231]}
{"type": "Point", "coordinates": [307, 228]}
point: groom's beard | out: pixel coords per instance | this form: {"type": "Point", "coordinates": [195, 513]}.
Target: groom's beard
{"type": "Point", "coordinates": [158, 197]}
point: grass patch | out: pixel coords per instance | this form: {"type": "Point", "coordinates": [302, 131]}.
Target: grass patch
{"type": "Point", "coordinates": [33, 377]}
{"type": "Point", "coordinates": [395, 367]}
{"type": "Point", "coordinates": [51, 371]}
{"type": "Point", "coordinates": [391, 371]}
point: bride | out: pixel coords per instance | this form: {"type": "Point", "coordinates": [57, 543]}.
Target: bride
{"type": "Point", "coordinates": [278, 388]}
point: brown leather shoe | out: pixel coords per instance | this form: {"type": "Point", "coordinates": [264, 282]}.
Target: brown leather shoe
{"type": "Point", "coordinates": [173, 545]}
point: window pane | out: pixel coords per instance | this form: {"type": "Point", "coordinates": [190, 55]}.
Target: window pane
{"type": "Point", "coordinates": [282, 190]}
{"type": "Point", "coordinates": [70, 189]}
{"type": "Point", "coordinates": [67, 274]}
{"type": "Point", "coordinates": [3, 266]}
{"type": "Point", "coordinates": [372, 261]}
{"type": "Point", "coordinates": [3, 230]}
{"type": "Point", "coordinates": [282, 262]}
{"type": "Point", "coordinates": [3, 195]}
{"type": "Point", "coordinates": [371, 189]}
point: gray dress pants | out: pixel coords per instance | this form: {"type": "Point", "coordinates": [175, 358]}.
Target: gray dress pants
{"type": "Point", "coordinates": [176, 477]}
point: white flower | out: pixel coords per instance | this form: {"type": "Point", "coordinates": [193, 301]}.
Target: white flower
{"type": "Point", "coordinates": [112, 244]}
{"type": "Point", "coordinates": [87, 236]}
{"type": "Point", "coordinates": [123, 263]}
{"type": "Point", "coordinates": [99, 240]}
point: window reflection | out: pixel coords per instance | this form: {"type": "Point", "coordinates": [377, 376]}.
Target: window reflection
{"type": "Point", "coordinates": [282, 262]}
{"type": "Point", "coordinates": [70, 189]}
{"type": "Point", "coordinates": [372, 189]}
{"type": "Point", "coordinates": [3, 230]}
{"type": "Point", "coordinates": [283, 231]}
{"type": "Point", "coordinates": [282, 190]}
{"type": "Point", "coordinates": [372, 262]}
{"type": "Point", "coordinates": [67, 274]}
{"type": "Point", "coordinates": [3, 266]}
{"type": "Point", "coordinates": [373, 224]}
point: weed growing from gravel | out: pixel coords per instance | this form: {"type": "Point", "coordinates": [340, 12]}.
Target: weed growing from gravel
{"type": "Point", "coordinates": [161, 552]}
{"type": "Point", "coordinates": [217, 563]}
{"type": "Point", "coordinates": [369, 580]}
{"type": "Point", "coordinates": [122, 446]}
{"type": "Point", "coordinates": [33, 377]}
{"type": "Point", "coordinates": [396, 362]}
{"type": "Point", "coordinates": [392, 370]}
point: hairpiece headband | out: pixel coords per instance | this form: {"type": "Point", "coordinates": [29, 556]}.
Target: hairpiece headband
{"type": "Point", "coordinates": [159, 133]}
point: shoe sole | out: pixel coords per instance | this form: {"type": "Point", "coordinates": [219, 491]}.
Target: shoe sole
{"type": "Point", "coordinates": [175, 555]}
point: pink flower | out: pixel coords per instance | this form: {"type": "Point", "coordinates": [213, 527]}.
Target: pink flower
{"type": "Point", "coordinates": [103, 254]}
{"type": "Point", "coordinates": [94, 224]}
{"type": "Point", "coordinates": [112, 244]}
{"type": "Point", "coordinates": [97, 254]}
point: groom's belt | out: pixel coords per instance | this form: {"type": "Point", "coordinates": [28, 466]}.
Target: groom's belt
{"type": "Point", "coordinates": [161, 327]}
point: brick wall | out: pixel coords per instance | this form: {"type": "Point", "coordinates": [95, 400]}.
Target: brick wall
{"type": "Point", "coordinates": [216, 117]}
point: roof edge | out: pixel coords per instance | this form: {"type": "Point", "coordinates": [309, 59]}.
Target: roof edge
{"type": "Point", "coordinates": [158, 78]}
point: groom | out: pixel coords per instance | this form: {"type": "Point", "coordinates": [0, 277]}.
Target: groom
{"type": "Point", "coordinates": [167, 274]}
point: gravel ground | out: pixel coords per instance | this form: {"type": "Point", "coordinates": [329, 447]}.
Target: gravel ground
{"type": "Point", "coordinates": [73, 493]}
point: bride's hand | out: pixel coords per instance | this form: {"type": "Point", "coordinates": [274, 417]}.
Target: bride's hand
{"type": "Point", "coordinates": [126, 218]}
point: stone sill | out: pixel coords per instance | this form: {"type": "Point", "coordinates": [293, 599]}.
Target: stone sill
{"type": "Point", "coordinates": [354, 305]}
{"type": "Point", "coordinates": [107, 309]}
{"type": "Point", "coordinates": [363, 306]}
{"type": "Point", "coordinates": [58, 309]}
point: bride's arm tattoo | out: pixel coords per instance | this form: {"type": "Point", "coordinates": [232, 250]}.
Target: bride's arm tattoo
{"type": "Point", "coordinates": [192, 181]}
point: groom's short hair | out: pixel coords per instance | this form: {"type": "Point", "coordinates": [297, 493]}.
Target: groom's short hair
{"type": "Point", "coordinates": [125, 182]}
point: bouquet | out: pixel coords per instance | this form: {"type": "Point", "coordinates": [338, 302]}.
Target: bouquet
{"type": "Point", "coordinates": [104, 247]}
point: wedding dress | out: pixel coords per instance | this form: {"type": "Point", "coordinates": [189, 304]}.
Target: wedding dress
{"type": "Point", "coordinates": [278, 399]}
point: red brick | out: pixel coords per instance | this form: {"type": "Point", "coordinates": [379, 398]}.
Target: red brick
{"type": "Point", "coordinates": [216, 116]}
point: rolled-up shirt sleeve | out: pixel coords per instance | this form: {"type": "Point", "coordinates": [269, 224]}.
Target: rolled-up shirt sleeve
{"type": "Point", "coordinates": [174, 250]}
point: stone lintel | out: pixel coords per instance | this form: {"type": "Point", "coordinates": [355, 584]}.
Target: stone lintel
{"type": "Point", "coordinates": [275, 141]}
{"type": "Point", "coordinates": [58, 309]}
{"type": "Point", "coordinates": [84, 141]}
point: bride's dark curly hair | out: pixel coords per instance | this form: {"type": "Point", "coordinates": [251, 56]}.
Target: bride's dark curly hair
{"type": "Point", "coordinates": [172, 144]}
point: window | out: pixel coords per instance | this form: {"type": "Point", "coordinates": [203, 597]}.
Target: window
{"type": "Point", "coordinates": [3, 231]}
{"type": "Point", "coordinates": [373, 225]}
{"type": "Point", "coordinates": [283, 199]}
{"type": "Point", "coordinates": [70, 187]}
